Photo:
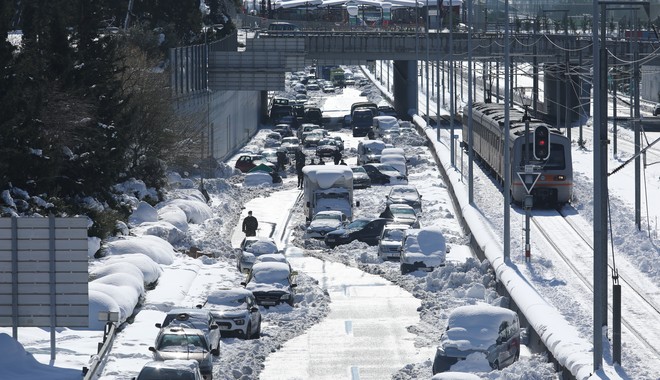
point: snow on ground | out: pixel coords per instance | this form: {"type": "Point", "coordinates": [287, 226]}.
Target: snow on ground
{"type": "Point", "coordinates": [184, 281]}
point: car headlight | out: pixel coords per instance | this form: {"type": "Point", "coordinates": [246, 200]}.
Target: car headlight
{"type": "Point", "coordinates": [249, 258]}
{"type": "Point", "coordinates": [285, 296]}
{"type": "Point", "coordinates": [239, 322]}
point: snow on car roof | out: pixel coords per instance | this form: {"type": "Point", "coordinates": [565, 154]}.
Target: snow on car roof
{"type": "Point", "coordinates": [475, 327]}
{"type": "Point", "coordinates": [329, 214]}
{"type": "Point", "coordinates": [182, 364]}
{"type": "Point", "coordinates": [427, 240]}
{"type": "Point", "coordinates": [262, 245]}
{"type": "Point", "coordinates": [221, 296]}
{"type": "Point", "coordinates": [270, 271]}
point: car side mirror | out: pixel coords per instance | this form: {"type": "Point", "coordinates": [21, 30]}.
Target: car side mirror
{"type": "Point", "coordinates": [215, 352]}
{"type": "Point", "coordinates": [294, 273]}
{"type": "Point", "coordinates": [159, 325]}
{"type": "Point", "coordinates": [357, 204]}
{"type": "Point", "coordinates": [152, 349]}
{"type": "Point", "coordinates": [213, 327]}
{"type": "Point", "coordinates": [243, 283]}
{"type": "Point", "coordinates": [199, 306]}
{"type": "Point", "coordinates": [294, 285]}
{"type": "Point", "coordinates": [254, 309]}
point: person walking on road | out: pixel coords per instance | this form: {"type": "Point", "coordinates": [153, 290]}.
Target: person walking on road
{"type": "Point", "coordinates": [300, 163]}
{"type": "Point", "coordinates": [250, 225]}
{"type": "Point", "coordinates": [336, 156]}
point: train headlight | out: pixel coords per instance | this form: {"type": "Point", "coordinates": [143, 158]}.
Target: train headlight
{"type": "Point", "coordinates": [560, 178]}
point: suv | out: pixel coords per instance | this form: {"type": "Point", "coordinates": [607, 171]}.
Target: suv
{"type": "Point", "coordinates": [235, 311]}
{"type": "Point", "coordinates": [389, 245]}
{"type": "Point", "coordinates": [491, 330]}
{"type": "Point", "coordinates": [185, 343]}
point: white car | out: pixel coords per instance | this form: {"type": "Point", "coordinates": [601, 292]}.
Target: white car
{"type": "Point", "coordinates": [251, 247]}
{"type": "Point", "coordinates": [391, 240]}
{"type": "Point", "coordinates": [324, 222]}
{"type": "Point", "coordinates": [423, 249]}
{"type": "Point", "coordinates": [235, 312]}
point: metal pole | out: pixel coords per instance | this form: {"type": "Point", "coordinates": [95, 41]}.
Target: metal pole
{"type": "Point", "coordinates": [470, 85]}
{"type": "Point", "coordinates": [14, 276]}
{"type": "Point", "coordinates": [52, 281]}
{"type": "Point", "coordinates": [638, 142]}
{"type": "Point", "coordinates": [437, 76]}
{"type": "Point", "coordinates": [426, 22]}
{"type": "Point", "coordinates": [507, 162]}
{"type": "Point", "coordinates": [600, 230]}
{"type": "Point", "coordinates": [452, 82]}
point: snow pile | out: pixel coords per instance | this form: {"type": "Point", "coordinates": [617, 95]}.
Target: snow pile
{"type": "Point", "coordinates": [18, 364]}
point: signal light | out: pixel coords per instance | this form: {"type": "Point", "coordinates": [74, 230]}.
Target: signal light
{"type": "Point", "coordinates": [541, 143]}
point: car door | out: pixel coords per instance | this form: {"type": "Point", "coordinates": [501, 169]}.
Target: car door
{"type": "Point", "coordinates": [371, 232]}
{"type": "Point", "coordinates": [255, 315]}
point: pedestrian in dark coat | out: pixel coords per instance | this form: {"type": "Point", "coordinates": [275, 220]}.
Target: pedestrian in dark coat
{"type": "Point", "coordinates": [300, 164]}
{"type": "Point", "coordinates": [250, 225]}
{"type": "Point", "coordinates": [336, 156]}
{"type": "Point", "coordinates": [281, 160]}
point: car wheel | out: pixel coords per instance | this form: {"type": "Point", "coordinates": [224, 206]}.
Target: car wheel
{"type": "Point", "coordinates": [257, 334]}
{"type": "Point", "coordinates": [406, 268]}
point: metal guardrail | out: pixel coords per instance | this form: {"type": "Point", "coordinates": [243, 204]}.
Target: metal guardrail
{"type": "Point", "coordinates": [109, 334]}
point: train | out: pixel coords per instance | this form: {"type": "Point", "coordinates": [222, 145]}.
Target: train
{"type": "Point", "coordinates": [553, 173]}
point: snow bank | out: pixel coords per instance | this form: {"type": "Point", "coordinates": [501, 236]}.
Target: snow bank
{"type": "Point", "coordinates": [18, 364]}
{"type": "Point", "coordinates": [151, 271]}
{"type": "Point", "coordinates": [100, 301]}
{"type": "Point", "coordinates": [156, 248]}
{"type": "Point", "coordinates": [143, 213]}
{"type": "Point", "coordinates": [196, 211]}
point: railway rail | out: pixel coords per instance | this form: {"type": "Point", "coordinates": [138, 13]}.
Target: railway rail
{"type": "Point", "coordinates": [566, 238]}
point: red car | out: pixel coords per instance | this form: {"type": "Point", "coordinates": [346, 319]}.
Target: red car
{"type": "Point", "coordinates": [247, 162]}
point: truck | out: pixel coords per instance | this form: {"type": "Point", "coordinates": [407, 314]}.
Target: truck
{"type": "Point", "coordinates": [327, 187]}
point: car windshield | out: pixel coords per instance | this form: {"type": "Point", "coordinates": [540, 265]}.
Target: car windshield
{"type": "Point", "coordinates": [179, 342]}
{"type": "Point", "coordinates": [149, 373]}
{"type": "Point", "coordinates": [356, 225]}
{"type": "Point", "coordinates": [358, 169]}
{"type": "Point", "coordinates": [323, 215]}
{"type": "Point", "coordinates": [403, 191]}
{"type": "Point", "coordinates": [394, 234]}
{"type": "Point", "coordinates": [402, 210]}
{"type": "Point", "coordinates": [187, 320]}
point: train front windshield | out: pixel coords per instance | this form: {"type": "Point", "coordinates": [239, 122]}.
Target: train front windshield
{"type": "Point", "coordinates": [556, 161]}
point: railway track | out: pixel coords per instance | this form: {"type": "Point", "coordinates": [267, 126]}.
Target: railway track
{"type": "Point", "coordinates": [575, 248]}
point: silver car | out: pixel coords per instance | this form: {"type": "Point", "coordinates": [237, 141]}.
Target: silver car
{"type": "Point", "coordinates": [251, 247]}
{"type": "Point", "coordinates": [194, 319]}
{"type": "Point", "coordinates": [324, 222]}
{"type": "Point", "coordinates": [391, 241]}
{"type": "Point", "coordinates": [183, 343]}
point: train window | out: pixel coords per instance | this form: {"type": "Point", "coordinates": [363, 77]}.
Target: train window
{"type": "Point", "coordinates": [556, 161]}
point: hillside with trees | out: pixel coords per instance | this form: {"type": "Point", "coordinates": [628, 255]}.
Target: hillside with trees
{"type": "Point", "coordinates": [84, 101]}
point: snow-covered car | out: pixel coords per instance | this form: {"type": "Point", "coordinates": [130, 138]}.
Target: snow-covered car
{"type": "Point", "coordinates": [361, 179]}
{"type": "Point", "coordinates": [235, 312]}
{"type": "Point", "coordinates": [271, 283]}
{"type": "Point", "coordinates": [340, 141]}
{"type": "Point", "coordinates": [423, 249]}
{"type": "Point", "coordinates": [324, 222]}
{"type": "Point", "coordinates": [194, 319]}
{"type": "Point", "coordinates": [490, 330]}
{"type": "Point", "coordinates": [182, 343]}
{"type": "Point", "coordinates": [291, 144]}
{"type": "Point", "coordinates": [391, 240]}
{"type": "Point", "coordinates": [327, 147]}
{"type": "Point", "coordinates": [251, 247]}
{"type": "Point", "coordinates": [384, 174]}
{"type": "Point", "coordinates": [272, 140]}
{"type": "Point", "coordinates": [407, 194]}
{"type": "Point", "coordinates": [170, 369]}
{"type": "Point", "coordinates": [401, 213]}
{"type": "Point", "coordinates": [397, 161]}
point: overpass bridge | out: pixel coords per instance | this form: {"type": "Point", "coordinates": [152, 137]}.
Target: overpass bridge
{"type": "Point", "coordinates": [261, 64]}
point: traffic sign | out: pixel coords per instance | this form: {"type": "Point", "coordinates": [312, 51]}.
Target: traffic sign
{"type": "Point", "coordinates": [528, 180]}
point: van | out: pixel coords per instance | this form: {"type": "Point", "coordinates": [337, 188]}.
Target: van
{"type": "Point", "coordinates": [278, 26]}
{"type": "Point", "coordinates": [491, 330]}
{"type": "Point", "coordinates": [361, 120]}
